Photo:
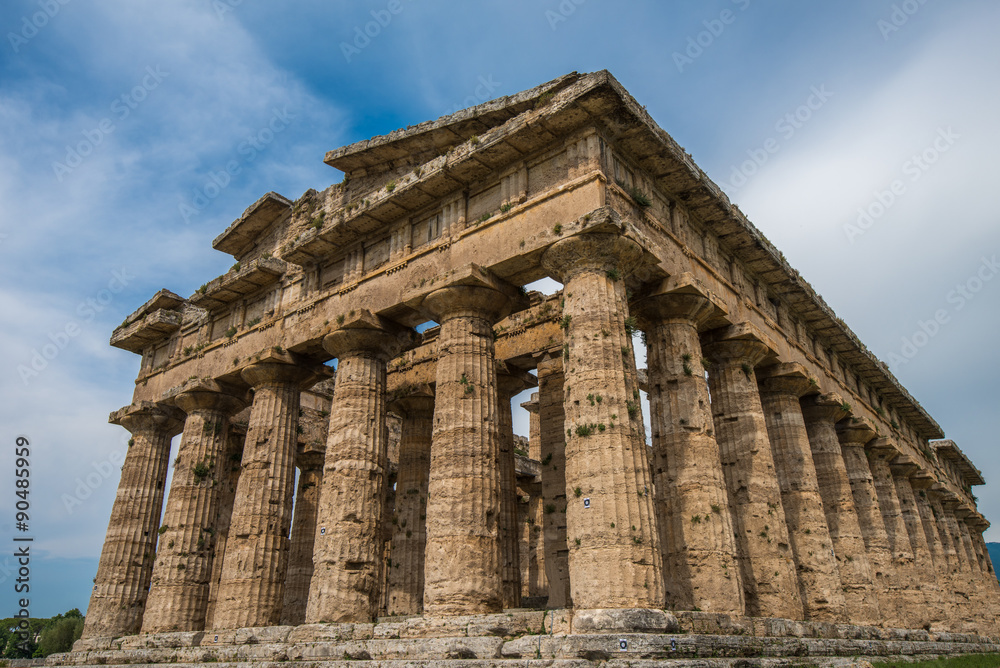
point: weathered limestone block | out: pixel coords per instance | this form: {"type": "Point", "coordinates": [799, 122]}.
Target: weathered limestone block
{"type": "Point", "coordinates": [552, 453]}
{"type": "Point", "coordinates": [509, 383]}
{"type": "Point", "coordinates": [462, 573]}
{"type": "Point", "coordinates": [227, 499]}
{"type": "Point", "coordinates": [409, 540]}
{"type": "Point", "coordinates": [300, 555]}
{"type": "Point", "coordinates": [251, 591]}
{"type": "Point", "coordinates": [609, 506]}
{"type": "Point", "coordinates": [821, 414]}
{"type": "Point", "coordinates": [913, 603]}
{"type": "Point", "coordinates": [854, 435]}
{"type": "Point", "coordinates": [781, 386]}
{"type": "Point", "coordinates": [699, 555]}
{"type": "Point", "coordinates": [126, 566]}
{"type": "Point", "coordinates": [178, 595]}
{"type": "Point", "coordinates": [937, 605]}
{"type": "Point", "coordinates": [766, 560]}
{"type": "Point", "coordinates": [349, 546]}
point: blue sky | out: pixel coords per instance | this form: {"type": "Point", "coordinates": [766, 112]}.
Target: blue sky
{"type": "Point", "coordinates": [118, 121]}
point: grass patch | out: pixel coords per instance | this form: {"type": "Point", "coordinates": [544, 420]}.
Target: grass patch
{"type": "Point", "coordinates": [963, 661]}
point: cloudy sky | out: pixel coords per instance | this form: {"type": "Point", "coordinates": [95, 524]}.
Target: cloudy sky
{"type": "Point", "coordinates": [859, 136]}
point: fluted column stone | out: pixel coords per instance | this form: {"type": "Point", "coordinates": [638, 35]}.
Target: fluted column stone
{"type": "Point", "coordinates": [692, 505]}
{"type": "Point", "coordinates": [348, 551]}
{"type": "Point", "coordinates": [766, 561]}
{"type": "Point", "coordinates": [781, 386]}
{"type": "Point", "coordinates": [178, 595]}
{"type": "Point", "coordinates": [303, 539]}
{"type": "Point", "coordinates": [118, 600]}
{"type": "Point", "coordinates": [854, 435]}
{"type": "Point", "coordinates": [857, 576]}
{"type": "Point", "coordinates": [229, 481]}
{"type": "Point", "coordinates": [609, 507]}
{"type": "Point", "coordinates": [462, 568]}
{"type": "Point", "coordinates": [509, 383]}
{"type": "Point", "coordinates": [936, 607]}
{"type": "Point", "coordinates": [252, 588]}
{"type": "Point", "coordinates": [409, 540]}
{"type": "Point", "coordinates": [552, 455]}
{"type": "Point", "coordinates": [913, 602]}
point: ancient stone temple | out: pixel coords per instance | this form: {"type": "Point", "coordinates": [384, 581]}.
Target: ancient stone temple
{"type": "Point", "coordinates": [793, 499]}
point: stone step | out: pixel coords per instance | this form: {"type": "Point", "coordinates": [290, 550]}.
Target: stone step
{"type": "Point", "coordinates": [590, 647]}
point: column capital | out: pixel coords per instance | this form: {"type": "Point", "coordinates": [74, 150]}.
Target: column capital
{"type": "Point", "coordinates": [532, 404]}
{"type": "Point", "coordinates": [368, 333]}
{"type": "Point", "coordinates": [829, 407]}
{"type": "Point", "coordinates": [738, 343]}
{"type": "Point", "coordinates": [468, 290]}
{"type": "Point", "coordinates": [279, 373]}
{"type": "Point", "coordinates": [412, 400]}
{"type": "Point", "coordinates": [904, 466]}
{"type": "Point", "coordinates": [786, 378]}
{"type": "Point", "coordinates": [678, 298]}
{"type": "Point", "coordinates": [922, 479]}
{"type": "Point", "coordinates": [854, 430]}
{"type": "Point", "coordinates": [882, 447]}
{"type": "Point", "coordinates": [150, 415]}
{"type": "Point", "coordinates": [591, 252]}
{"type": "Point", "coordinates": [209, 395]}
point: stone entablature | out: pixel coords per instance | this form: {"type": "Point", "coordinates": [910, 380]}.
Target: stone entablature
{"type": "Point", "coordinates": [800, 445]}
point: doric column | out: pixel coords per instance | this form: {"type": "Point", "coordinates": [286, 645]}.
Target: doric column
{"type": "Point", "coordinates": [462, 573]}
{"type": "Point", "coordinates": [821, 414]}
{"type": "Point", "coordinates": [609, 505]}
{"type": "Point", "coordinates": [781, 386]}
{"type": "Point", "coordinates": [252, 588]}
{"type": "Point", "coordinates": [509, 383]}
{"type": "Point", "coordinates": [534, 427]}
{"type": "Point", "coordinates": [961, 513]}
{"type": "Point", "coordinates": [531, 508]}
{"type": "Point", "coordinates": [227, 500]}
{"type": "Point", "coordinates": [913, 603]}
{"type": "Point", "coordinates": [766, 561]}
{"type": "Point", "coordinates": [409, 540]}
{"type": "Point", "coordinates": [936, 604]}
{"type": "Point", "coordinates": [300, 552]}
{"type": "Point", "coordinates": [692, 505]}
{"type": "Point", "coordinates": [348, 549]}
{"type": "Point", "coordinates": [552, 455]}
{"type": "Point", "coordinates": [922, 481]}
{"type": "Point", "coordinates": [854, 435]}
{"type": "Point", "coordinates": [123, 573]}
{"type": "Point", "coordinates": [178, 595]}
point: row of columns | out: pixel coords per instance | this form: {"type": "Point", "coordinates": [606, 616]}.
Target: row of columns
{"type": "Point", "coordinates": [757, 497]}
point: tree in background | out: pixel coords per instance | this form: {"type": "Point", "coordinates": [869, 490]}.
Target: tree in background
{"type": "Point", "coordinates": [47, 636]}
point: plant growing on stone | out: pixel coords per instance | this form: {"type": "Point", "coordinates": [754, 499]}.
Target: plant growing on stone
{"type": "Point", "coordinates": [746, 369]}
{"type": "Point", "coordinates": [557, 229]}
{"type": "Point", "coordinates": [505, 207]}
{"type": "Point", "coordinates": [613, 274]}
